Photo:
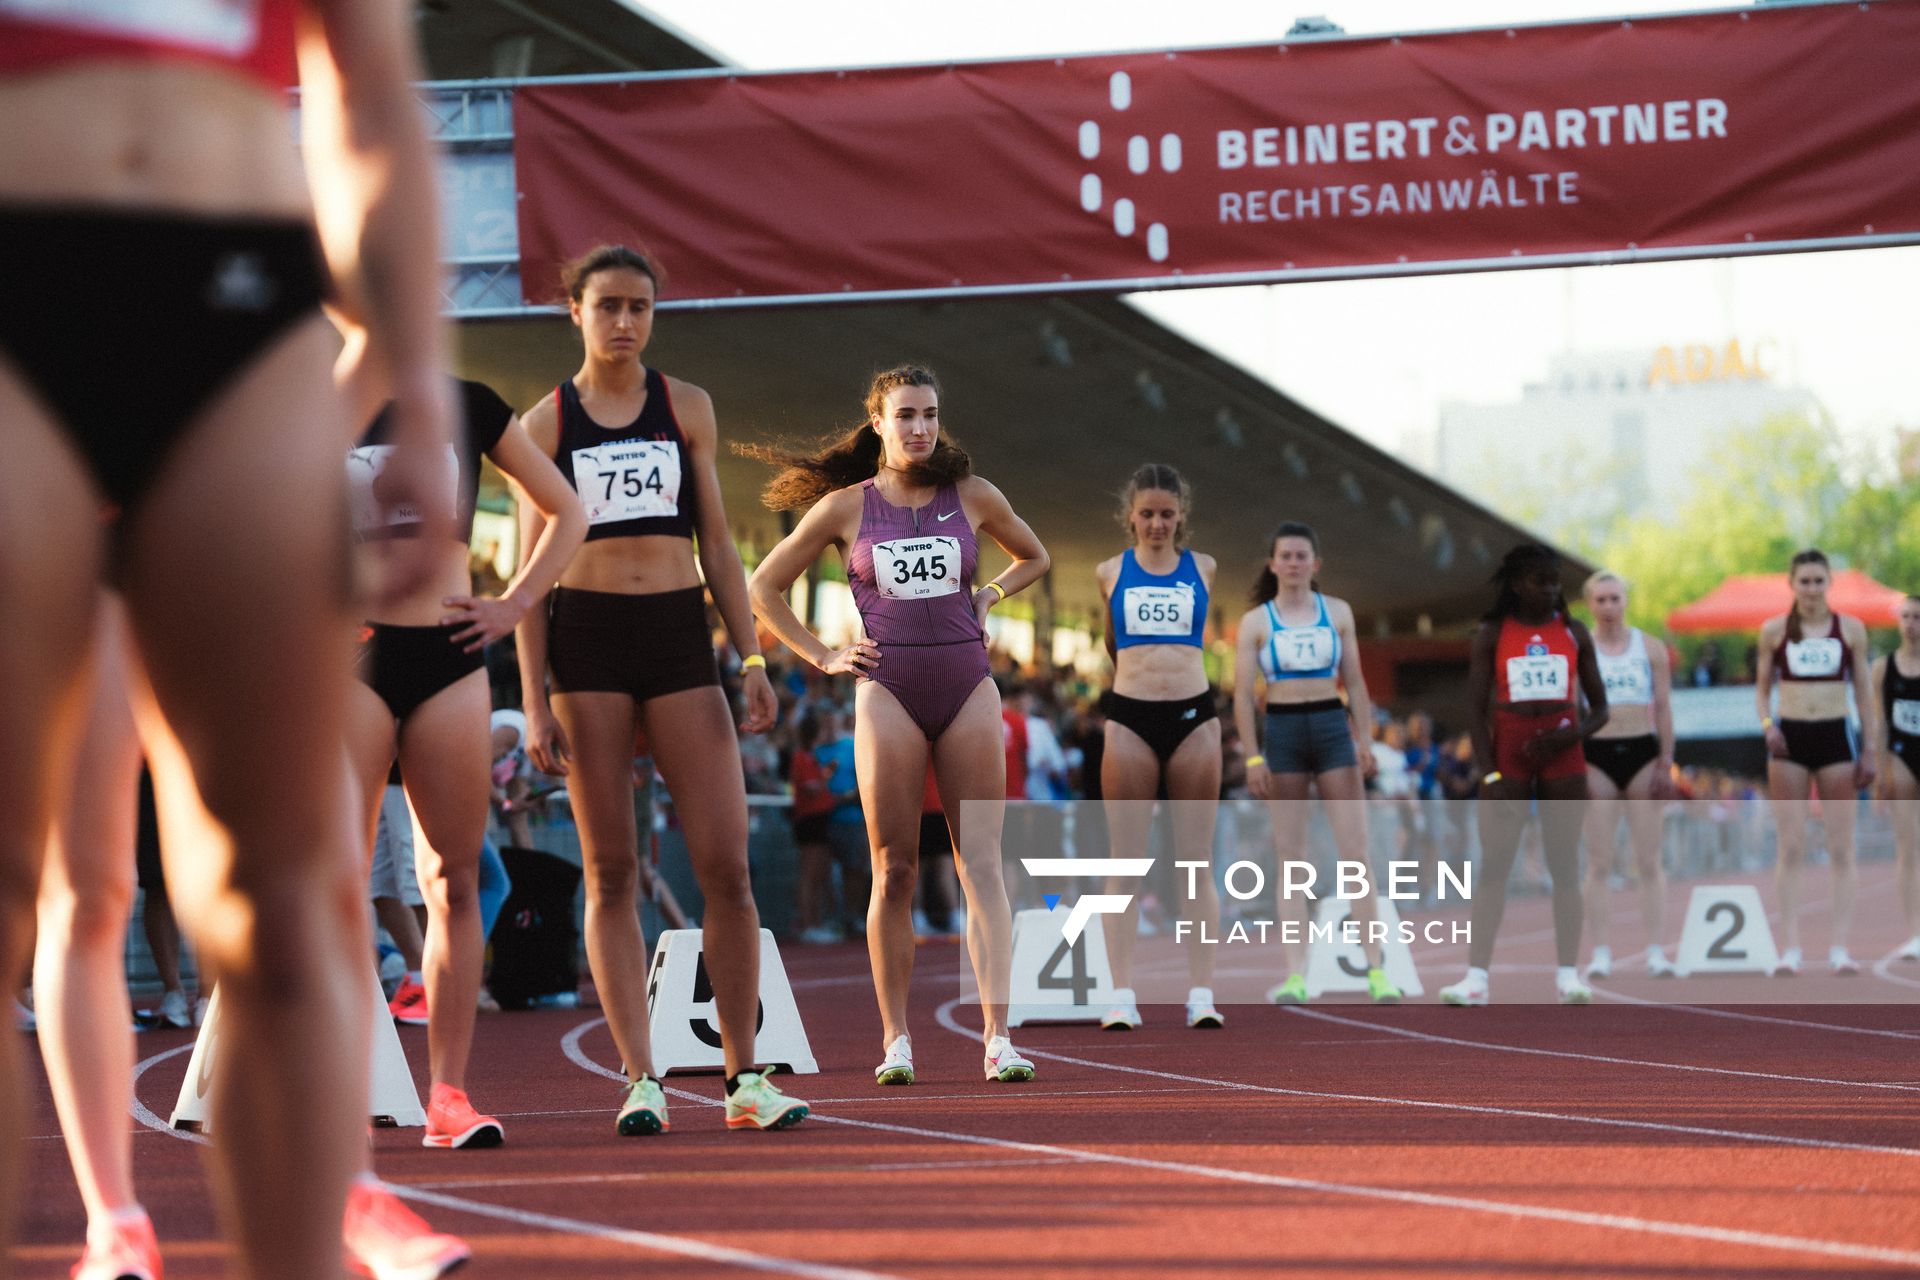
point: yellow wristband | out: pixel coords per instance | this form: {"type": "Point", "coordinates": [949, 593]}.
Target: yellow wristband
{"type": "Point", "coordinates": [1766, 722]}
{"type": "Point", "coordinates": [997, 589]}
{"type": "Point", "coordinates": [1253, 760]}
{"type": "Point", "coordinates": [753, 660]}
{"type": "Point", "coordinates": [1492, 777]}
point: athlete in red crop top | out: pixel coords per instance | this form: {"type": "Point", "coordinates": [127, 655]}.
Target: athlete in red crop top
{"type": "Point", "coordinates": [1812, 654]}
{"type": "Point", "coordinates": [147, 152]}
{"type": "Point", "coordinates": [1532, 665]}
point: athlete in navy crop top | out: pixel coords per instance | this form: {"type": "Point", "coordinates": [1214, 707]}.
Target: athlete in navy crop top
{"type": "Point", "coordinates": [1898, 678]}
{"type": "Point", "coordinates": [1163, 731]}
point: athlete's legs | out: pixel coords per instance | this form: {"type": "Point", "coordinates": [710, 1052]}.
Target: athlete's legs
{"type": "Point", "coordinates": [1129, 783]}
{"type": "Point", "coordinates": [1502, 814]}
{"type": "Point", "coordinates": [1603, 822]}
{"type": "Point", "coordinates": [1287, 808]}
{"type": "Point", "coordinates": [1193, 784]}
{"type": "Point", "coordinates": [446, 758]}
{"type": "Point", "coordinates": [1904, 790]}
{"type": "Point", "coordinates": [237, 555]}
{"type": "Point", "coordinates": [1646, 826]}
{"type": "Point", "coordinates": [1787, 784]}
{"type": "Point", "coordinates": [890, 763]}
{"type": "Point", "coordinates": [79, 979]}
{"type": "Point", "coordinates": [697, 750]}
{"type": "Point", "coordinates": [1563, 804]}
{"type": "Point", "coordinates": [1343, 794]}
{"type": "Point", "coordinates": [1838, 804]}
{"type": "Point", "coordinates": [970, 764]}
{"type": "Point", "coordinates": [600, 728]}
{"type": "Point", "coordinates": [50, 544]}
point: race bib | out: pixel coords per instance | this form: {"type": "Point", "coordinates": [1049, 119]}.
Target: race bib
{"type": "Point", "coordinates": [1628, 683]}
{"type": "Point", "coordinates": [917, 568]}
{"type": "Point", "coordinates": [629, 480]}
{"type": "Point", "coordinates": [365, 466]}
{"type": "Point", "coordinates": [1538, 677]}
{"type": "Point", "coordinates": [227, 27]}
{"type": "Point", "coordinates": [1158, 611]}
{"type": "Point", "coordinates": [1812, 659]}
{"type": "Point", "coordinates": [1906, 716]}
{"type": "Point", "coordinates": [1304, 648]}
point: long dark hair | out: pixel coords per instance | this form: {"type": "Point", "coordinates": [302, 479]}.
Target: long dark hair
{"type": "Point", "coordinates": [1267, 585]}
{"type": "Point", "coordinates": [808, 474]}
{"type": "Point", "coordinates": [1160, 476]}
{"type": "Point", "coordinates": [1515, 565]}
{"type": "Point", "coordinates": [1812, 555]}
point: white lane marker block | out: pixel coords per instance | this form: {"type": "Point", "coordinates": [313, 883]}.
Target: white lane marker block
{"type": "Point", "coordinates": [685, 1029]}
{"type": "Point", "coordinates": [1335, 964]}
{"type": "Point", "coordinates": [1054, 980]}
{"type": "Point", "coordinates": [1726, 932]}
{"type": "Point", "coordinates": [393, 1101]}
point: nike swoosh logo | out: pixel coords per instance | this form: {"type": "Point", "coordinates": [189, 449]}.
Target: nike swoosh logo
{"type": "Point", "coordinates": [950, 515]}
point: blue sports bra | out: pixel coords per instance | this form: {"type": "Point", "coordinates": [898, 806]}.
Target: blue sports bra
{"type": "Point", "coordinates": [1311, 652]}
{"type": "Point", "coordinates": [1157, 608]}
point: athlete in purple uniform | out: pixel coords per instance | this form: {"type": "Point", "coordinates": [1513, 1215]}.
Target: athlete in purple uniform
{"type": "Point", "coordinates": [903, 508]}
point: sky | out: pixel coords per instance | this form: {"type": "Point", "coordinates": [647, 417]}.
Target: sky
{"type": "Point", "coordinates": [1380, 357]}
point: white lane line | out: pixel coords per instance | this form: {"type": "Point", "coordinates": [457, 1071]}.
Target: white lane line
{"type": "Point", "coordinates": [759, 1171]}
{"type": "Point", "coordinates": [1492, 1047]}
{"type": "Point", "coordinates": [1704, 1011]}
{"type": "Point", "coordinates": [648, 1240]}
{"type": "Point", "coordinates": [1883, 969]}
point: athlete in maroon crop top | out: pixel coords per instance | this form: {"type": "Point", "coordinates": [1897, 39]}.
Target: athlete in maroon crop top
{"type": "Point", "coordinates": [904, 509]}
{"type": "Point", "coordinates": [1812, 654]}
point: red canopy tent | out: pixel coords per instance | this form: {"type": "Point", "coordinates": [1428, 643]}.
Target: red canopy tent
{"type": "Point", "coordinates": [1746, 600]}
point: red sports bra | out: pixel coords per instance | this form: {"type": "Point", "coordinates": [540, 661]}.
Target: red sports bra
{"type": "Point", "coordinates": [1814, 658]}
{"type": "Point", "coordinates": [250, 37]}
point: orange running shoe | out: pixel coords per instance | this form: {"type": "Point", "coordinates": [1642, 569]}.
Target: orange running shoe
{"type": "Point", "coordinates": [132, 1254]}
{"type": "Point", "coordinates": [388, 1241]}
{"type": "Point", "coordinates": [452, 1121]}
{"type": "Point", "coordinates": [409, 1004]}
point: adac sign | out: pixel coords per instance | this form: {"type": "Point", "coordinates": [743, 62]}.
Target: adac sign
{"type": "Point", "coordinates": [1700, 362]}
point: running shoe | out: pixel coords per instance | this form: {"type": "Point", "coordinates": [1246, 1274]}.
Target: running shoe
{"type": "Point", "coordinates": [130, 1254]}
{"type": "Point", "coordinates": [388, 1241]}
{"type": "Point", "coordinates": [452, 1121]}
{"type": "Point", "coordinates": [645, 1111]}
{"type": "Point", "coordinates": [1469, 992]}
{"type": "Point", "coordinates": [409, 1004]}
{"type": "Point", "coordinates": [1600, 967]}
{"type": "Point", "coordinates": [199, 1011]}
{"type": "Point", "coordinates": [897, 1066]}
{"type": "Point", "coordinates": [1381, 987]}
{"type": "Point", "coordinates": [1842, 964]}
{"type": "Point", "coordinates": [1909, 952]}
{"type": "Point", "coordinates": [756, 1103]}
{"type": "Point", "coordinates": [1292, 991]}
{"type": "Point", "coordinates": [1573, 991]}
{"type": "Point", "coordinates": [1658, 966]}
{"type": "Point", "coordinates": [1004, 1063]}
{"type": "Point", "coordinates": [1201, 1011]}
{"type": "Point", "coordinates": [1122, 1015]}
{"type": "Point", "coordinates": [174, 1010]}
{"type": "Point", "coordinates": [820, 935]}
{"type": "Point", "coordinates": [1789, 965]}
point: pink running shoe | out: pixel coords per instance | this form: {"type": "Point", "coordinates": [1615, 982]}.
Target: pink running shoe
{"type": "Point", "coordinates": [388, 1241]}
{"type": "Point", "coordinates": [452, 1122]}
{"type": "Point", "coordinates": [133, 1254]}
{"type": "Point", "coordinates": [409, 1004]}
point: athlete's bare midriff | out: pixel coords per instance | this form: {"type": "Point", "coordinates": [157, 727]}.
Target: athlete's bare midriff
{"type": "Point", "coordinates": [1812, 700]}
{"type": "Point", "coordinates": [150, 135]}
{"type": "Point", "coordinates": [427, 606]}
{"type": "Point", "coordinates": [634, 566]}
{"type": "Point", "coordinates": [1160, 673]}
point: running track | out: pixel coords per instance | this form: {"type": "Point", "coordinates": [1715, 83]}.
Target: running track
{"type": "Point", "coordinates": [1626, 1139]}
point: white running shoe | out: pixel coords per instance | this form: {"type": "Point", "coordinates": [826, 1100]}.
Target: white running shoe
{"type": "Point", "coordinates": [1469, 992]}
{"type": "Point", "coordinates": [1123, 1014]}
{"type": "Point", "coordinates": [1789, 965]}
{"type": "Point", "coordinates": [1201, 1011]}
{"type": "Point", "coordinates": [1909, 952]}
{"type": "Point", "coordinates": [1004, 1063]}
{"type": "Point", "coordinates": [1601, 966]}
{"type": "Point", "coordinates": [1658, 966]}
{"type": "Point", "coordinates": [174, 1010]}
{"type": "Point", "coordinates": [1572, 991]}
{"type": "Point", "coordinates": [897, 1066]}
{"type": "Point", "coordinates": [1842, 964]}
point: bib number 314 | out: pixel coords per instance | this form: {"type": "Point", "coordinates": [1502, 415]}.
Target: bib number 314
{"type": "Point", "coordinates": [1538, 678]}
{"type": "Point", "coordinates": [917, 568]}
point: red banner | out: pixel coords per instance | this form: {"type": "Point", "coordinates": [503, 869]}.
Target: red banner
{"type": "Point", "coordinates": [1746, 131]}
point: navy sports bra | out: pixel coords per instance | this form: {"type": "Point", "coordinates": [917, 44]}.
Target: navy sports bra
{"type": "Point", "coordinates": [632, 480]}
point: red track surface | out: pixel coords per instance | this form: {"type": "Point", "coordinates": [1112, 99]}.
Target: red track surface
{"type": "Point", "coordinates": [1618, 1140]}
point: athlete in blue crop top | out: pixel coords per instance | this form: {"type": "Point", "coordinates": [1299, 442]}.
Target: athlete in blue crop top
{"type": "Point", "coordinates": [1162, 728]}
{"type": "Point", "coordinates": [1301, 645]}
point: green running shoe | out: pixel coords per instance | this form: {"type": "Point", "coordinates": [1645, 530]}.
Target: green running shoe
{"type": "Point", "coordinates": [757, 1103]}
{"type": "Point", "coordinates": [1381, 987]}
{"type": "Point", "coordinates": [1292, 991]}
{"type": "Point", "coordinates": [645, 1110]}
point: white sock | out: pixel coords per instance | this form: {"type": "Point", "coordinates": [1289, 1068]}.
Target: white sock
{"type": "Point", "coordinates": [1602, 954]}
{"type": "Point", "coordinates": [1656, 952]}
{"type": "Point", "coordinates": [1566, 976]}
{"type": "Point", "coordinates": [101, 1231]}
{"type": "Point", "coordinates": [1477, 975]}
{"type": "Point", "coordinates": [1123, 995]}
{"type": "Point", "coordinates": [1200, 995]}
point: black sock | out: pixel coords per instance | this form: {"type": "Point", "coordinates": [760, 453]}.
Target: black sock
{"type": "Point", "coordinates": [733, 1082]}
